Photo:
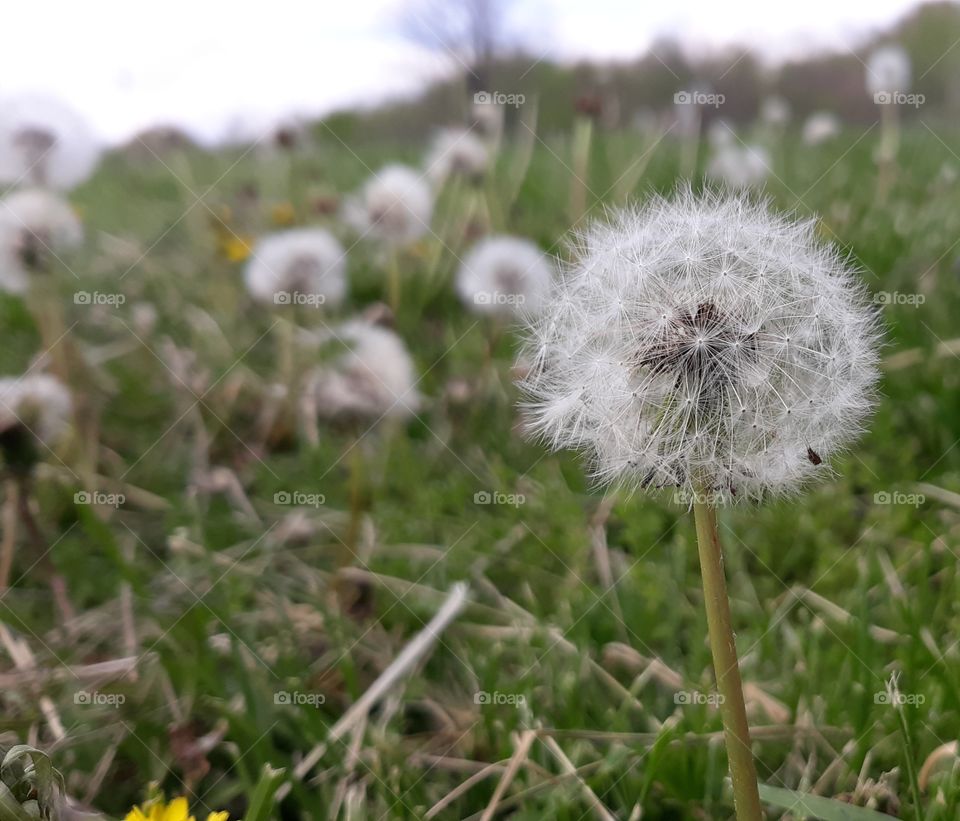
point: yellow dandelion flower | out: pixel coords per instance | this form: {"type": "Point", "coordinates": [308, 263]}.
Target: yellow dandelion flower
{"type": "Point", "coordinates": [235, 247]}
{"type": "Point", "coordinates": [176, 810]}
{"type": "Point", "coordinates": [283, 213]}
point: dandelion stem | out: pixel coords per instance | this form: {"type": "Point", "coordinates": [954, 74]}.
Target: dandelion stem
{"type": "Point", "coordinates": [393, 281]}
{"type": "Point", "coordinates": [746, 797]}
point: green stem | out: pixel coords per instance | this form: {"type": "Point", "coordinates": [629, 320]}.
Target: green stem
{"type": "Point", "coordinates": [733, 711]}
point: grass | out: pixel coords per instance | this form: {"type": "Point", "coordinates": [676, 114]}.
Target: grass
{"type": "Point", "coordinates": [224, 608]}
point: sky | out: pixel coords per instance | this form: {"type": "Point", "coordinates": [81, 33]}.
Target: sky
{"type": "Point", "coordinates": [222, 68]}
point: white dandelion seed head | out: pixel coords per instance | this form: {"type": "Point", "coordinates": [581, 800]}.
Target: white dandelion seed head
{"type": "Point", "coordinates": [370, 375]}
{"type": "Point", "coordinates": [704, 343]}
{"type": "Point", "coordinates": [34, 226]}
{"type": "Point", "coordinates": [487, 119]}
{"type": "Point", "coordinates": [394, 206]}
{"type": "Point", "coordinates": [45, 143]}
{"type": "Point", "coordinates": [308, 261]}
{"type": "Point", "coordinates": [820, 127]}
{"type": "Point", "coordinates": [739, 166]}
{"type": "Point", "coordinates": [720, 135]}
{"type": "Point", "coordinates": [888, 70]}
{"type": "Point", "coordinates": [457, 152]}
{"type": "Point", "coordinates": [38, 402]}
{"type": "Point", "coordinates": [775, 111]}
{"type": "Point", "coordinates": [504, 276]}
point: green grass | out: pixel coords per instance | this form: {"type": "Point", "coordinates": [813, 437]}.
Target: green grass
{"type": "Point", "coordinates": [831, 592]}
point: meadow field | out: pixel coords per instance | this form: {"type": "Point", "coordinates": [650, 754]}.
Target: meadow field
{"type": "Point", "coordinates": [235, 580]}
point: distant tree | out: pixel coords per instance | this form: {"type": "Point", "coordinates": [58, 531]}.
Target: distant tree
{"type": "Point", "coordinates": [471, 32]}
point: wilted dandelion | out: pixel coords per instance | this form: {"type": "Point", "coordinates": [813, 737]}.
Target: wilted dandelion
{"type": "Point", "coordinates": [43, 142]}
{"type": "Point", "coordinates": [709, 345]}
{"type": "Point", "coordinates": [35, 226]}
{"type": "Point", "coordinates": [299, 266]}
{"type": "Point", "coordinates": [504, 276]}
{"type": "Point", "coordinates": [457, 152]}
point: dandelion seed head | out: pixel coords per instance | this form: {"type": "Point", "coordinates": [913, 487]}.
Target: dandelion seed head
{"type": "Point", "coordinates": [394, 206]}
{"type": "Point", "coordinates": [504, 276]}
{"type": "Point", "coordinates": [35, 225]}
{"type": "Point", "coordinates": [888, 70]}
{"type": "Point", "coordinates": [457, 152]}
{"type": "Point", "coordinates": [369, 376]}
{"type": "Point", "coordinates": [739, 346]}
{"type": "Point", "coordinates": [38, 403]}
{"type": "Point", "coordinates": [302, 260]}
{"type": "Point", "coordinates": [45, 143]}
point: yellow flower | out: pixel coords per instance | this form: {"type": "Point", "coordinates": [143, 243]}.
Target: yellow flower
{"type": "Point", "coordinates": [283, 213]}
{"type": "Point", "coordinates": [176, 810]}
{"type": "Point", "coordinates": [235, 248]}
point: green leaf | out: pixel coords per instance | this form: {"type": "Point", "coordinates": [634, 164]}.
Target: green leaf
{"type": "Point", "coordinates": [817, 806]}
{"type": "Point", "coordinates": [261, 803]}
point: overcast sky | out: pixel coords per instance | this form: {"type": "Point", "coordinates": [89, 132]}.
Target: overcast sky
{"type": "Point", "coordinates": [216, 65]}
